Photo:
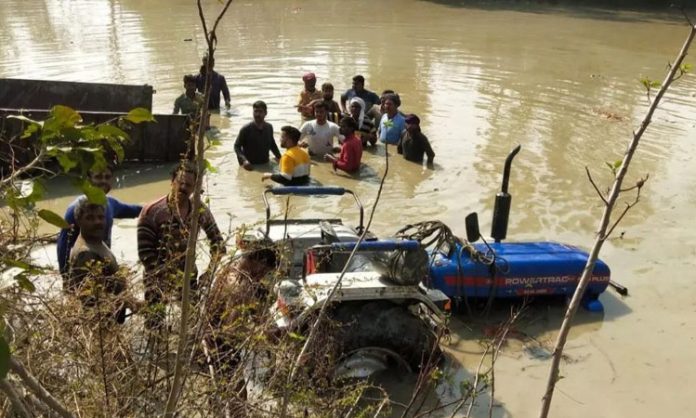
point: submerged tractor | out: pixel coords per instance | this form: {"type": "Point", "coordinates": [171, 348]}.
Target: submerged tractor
{"type": "Point", "coordinates": [390, 296]}
{"type": "Point", "coordinates": [464, 270]}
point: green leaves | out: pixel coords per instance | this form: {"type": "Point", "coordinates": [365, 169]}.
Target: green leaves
{"type": "Point", "coordinates": [53, 218]}
{"type": "Point", "coordinates": [210, 167]}
{"type": "Point", "coordinates": [94, 194]}
{"type": "Point", "coordinates": [4, 357]}
{"type": "Point", "coordinates": [61, 117]}
{"type": "Point", "coordinates": [138, 115]}
{"type": "Point", "coordinates": [24, 282]}
{"type": "Point", "coordinates": [650, 84]}
{"type": "Point", "coordinates": [686, 68]}
{"type": "Point", "coordinates": [614, 166]}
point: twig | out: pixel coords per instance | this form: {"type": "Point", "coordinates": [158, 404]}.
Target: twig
{"type": "Point", "coordinates": [13, 396]}
{"type": "Point", "coordinates": [601, 233]}
{"type": "Point", "coordinates": [38, 390]}
{"type": "Point", "coordinates": [589, 176]}
{"type": "Point", "coordinates": [181, 356]}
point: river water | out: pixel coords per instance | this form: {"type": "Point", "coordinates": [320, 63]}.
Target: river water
{"type": "Point", "coordinates": [562, 82]}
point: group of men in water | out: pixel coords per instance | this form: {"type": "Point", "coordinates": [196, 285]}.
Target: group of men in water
{"type": "Point", "coordinates": [330, 132]}
{"type": "Point", "coordinates": [328, 129]}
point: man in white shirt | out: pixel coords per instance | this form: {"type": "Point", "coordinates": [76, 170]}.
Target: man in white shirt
{"type": "Point", "coordinates": [318, 134]}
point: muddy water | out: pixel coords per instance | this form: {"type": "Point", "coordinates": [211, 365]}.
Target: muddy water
{"type": "Point", "coordinates": [563, 83]}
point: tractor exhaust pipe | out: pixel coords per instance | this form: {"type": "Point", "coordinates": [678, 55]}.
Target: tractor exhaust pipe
{"type": "Point", "coordinates": [501, 210]}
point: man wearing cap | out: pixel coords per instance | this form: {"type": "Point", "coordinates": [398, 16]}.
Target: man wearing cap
{"type": "Point", "coordinates": [307, 95]}
{"type": "Point", "coordinates": [358, 90]}
{"type": "Point", "coordinates": [414, 144]}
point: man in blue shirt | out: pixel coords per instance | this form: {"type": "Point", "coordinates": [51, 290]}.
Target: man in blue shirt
{"type": "Point", "coordinates": [358, 90]}
{"type": "Point", "coordinates": [114, 209]}
{"type": "Point", "coordinates": [218, 85]}
{"type": "Point", "coordinates": [392, 125]}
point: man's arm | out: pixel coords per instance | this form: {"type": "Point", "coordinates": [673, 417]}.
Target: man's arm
{"type": "Point", "coordinates": [66, 239]}
{"type": "Point", "coordinates": [148, 241]}
{"type": "Point", "coordinates": [273, 145]}
{"type": "Point", "coordinates": [400, 144]}
{"type": "Point", "coordinates": [225, 90]}
{"type": "Point", "coordinates": [239, 147]}
{"type": "Point", "coordinates": [428, 150]}
{"type": "Point", "coordinates": [177, 107]}
{"type": "Point", "coordinates": [124, 210]}
{"type": "Point", "coordinates": [344, 99]}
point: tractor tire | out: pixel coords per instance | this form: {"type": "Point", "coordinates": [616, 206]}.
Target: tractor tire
{"type": "Point", "coordinates": [384, 325]}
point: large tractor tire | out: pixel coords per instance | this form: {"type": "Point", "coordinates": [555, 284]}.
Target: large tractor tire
{"type": "Point", "coordinates": [385, 335]}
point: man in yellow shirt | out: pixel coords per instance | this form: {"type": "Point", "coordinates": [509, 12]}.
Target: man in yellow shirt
{"type": "Point", "coordinates": [294, 163]}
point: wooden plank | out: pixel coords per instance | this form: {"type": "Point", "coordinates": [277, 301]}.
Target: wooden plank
{"type": "Point", "coordinates": [44, 94]}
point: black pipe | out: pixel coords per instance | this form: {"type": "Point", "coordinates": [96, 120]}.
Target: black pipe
{"type": "Point", "coordinates": [503, 201]}
{"type": "Point", "coordinates": [506, 170]}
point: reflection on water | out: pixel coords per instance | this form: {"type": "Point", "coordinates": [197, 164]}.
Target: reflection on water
{"type": "Point", "coordinates": [483, 78]}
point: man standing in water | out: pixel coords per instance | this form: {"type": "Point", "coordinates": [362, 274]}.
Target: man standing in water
{"type": "Point", "coordinates": [92, 273]}
{"type": "Point", "coordinates": [307, 95]}
{"type": "Point", "coordinates": [393, 124]}
{"type": "Point", "coordinates": [319, 133]}
{"type": "Point", "coordinates": [218, 85]}
{"type": "Point", "coordinates": [114, 209]}
{"type": "Point", "coordinates": [255, 140]}
{"type": "Point", "coordinates": [294, 164]}
{"type": "Point", "coordinates": [351, 151]}
{"type": "Point", "coordinates": [162, 237]}
{"type": "Point", "coordinates": [332, 108]}
{"type": "Point", "coordinates": [414, 144]}
{"type": "Point", "coordinates": [359, 90]}
{"type": "Point", "coordinates": [190, 101]}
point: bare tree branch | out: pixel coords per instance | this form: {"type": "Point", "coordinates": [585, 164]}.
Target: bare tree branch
{"type": "Point", "coordinates": [38, 390]}
{"type": "Point", "coordinates": [589, 176]}
{"type": "Point", "coordinates": [604, 224]}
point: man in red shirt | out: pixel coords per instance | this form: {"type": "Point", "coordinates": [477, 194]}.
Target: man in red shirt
{"type": "Point", "coordinates": [351, 151]}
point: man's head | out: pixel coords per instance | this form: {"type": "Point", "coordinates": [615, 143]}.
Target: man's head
{"type": "Point", "coordinates": [412, 123]}
{"type": "Point", "coordinates": [391, 103]}
{"type": "Point", "coordinates": [310, 81]}
{"type": "Point", "coordinates": [358, 83]}
{"type": "Point", "coordinates": [327, 90]}
{"type": "Point", "coordinates": [356, 107]}
{"type": "Point", "coordinates": [320, 113]}
{"type": "Point", "coordinates": [202, 70]}
{"type": "Point", "coordinates": [183, 179]}
{"type": "Point", "coordinates": [190, 83]}
{"type": "Point", "coordinates": [102, 178]}
{"type": "Point", "coordinates": [91, 219]}
{"type": "Point", "coordinates": [260, 111]}
{"type": "Point", "coordinates": [289, 136]}
{"type": "Point", "coordinates": [348, 126]}
{"type": "Point", "coordinates": [204, 61]}
{"type": "Point", "coordinates": [382, 98]}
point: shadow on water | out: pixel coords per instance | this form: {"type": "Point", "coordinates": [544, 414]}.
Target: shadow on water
{"type": "Point", "coordinates": [662, 10]}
